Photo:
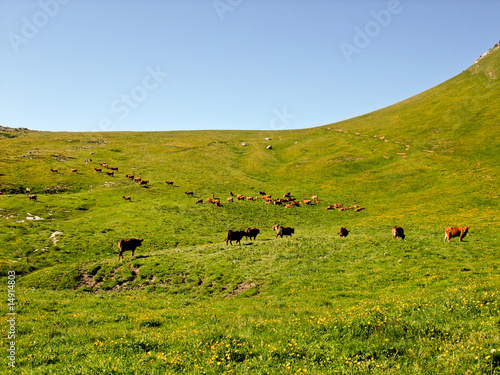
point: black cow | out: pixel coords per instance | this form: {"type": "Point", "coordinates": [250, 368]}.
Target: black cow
{"type": "Point", "coordinates": [252, 232]}
{"type": "Point", "coordinates": [285, 231]}
{"type": "Point", "coordinates": [129, 244]}
{"type": "Point", "coordinates": [235, 235]}
{"type": "Point", "coordinates": [343, 232]}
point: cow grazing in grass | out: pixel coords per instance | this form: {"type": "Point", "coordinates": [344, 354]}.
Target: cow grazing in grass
{"type": "Point", "coordinates": [343, 232]}
{"type": "Point", "coordinates": [98, 169]}
{"type": "Point", "coordinates": [170, 183]}
{"type": "Point", "coordinates": [252, 232]}
{"type": "Point", "coordinates": [234, 235]}
{"type": "Point", "coordinates": [127, 198]}
{"type": "Point", "coordinates": [137, 179]}
{"type": "Point", "coordinates": [199, 201]}
{"type": "Point", "coordinates": [189, 193]}
{"type": "Point", "coordinates": [230, 199]}
{"type": "Point", "coordinates": [285, 231]}
{"type": "Point", "coordinates": [114, 169]}
{"type": "Point", "coordinates": [74, 170]}
{"type": "Point", "coordinates": [398, 232]}
{"type": "Point", "coordinates": [32, 197]}
{"type": "Point", "coordinates": [143, 182]}
{"type": "Point", "coordinates": [55, 170]}
{"type": "Point", "coordinates": [130, 176]}
{"type": "Point", "coordinates": [359, 209]}
{"type": "Point", "coordinates": [450, 232]}
{"type": "Point", "coordinates": [110, 173]}
{"type": "Point", "coordinates": [129, 244]}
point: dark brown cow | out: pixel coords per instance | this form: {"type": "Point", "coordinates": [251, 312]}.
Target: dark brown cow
{"type": "Point", "coordinates": [130, 176]}
{"type": "Point", "coordinates": [199, 201]}
{"type": "Point", "coordinates": [234, 235]}
{"type": "Point", "coordinates": [143, 182]}
{"type": "Point", "coordinates": [32, 197]}
{"type": "Point", "coordinates": [110, 173]}
{"type": "Point", "coordinates": [114, 168]}
{"type": "Point", "coordinates": [398, 232]}
{"type": "Point", "coordinates": [189, 193]}
{"type": "Point", "coordinates": [450, 232]}
{"type": "Point", "coordinates": [252, 232]}
{"type": "Point", "coordinates": [343, 232]}
{"type": "Point", "coordinates": [127, 198]}
{"type": "Point", "coordinates": [285, 231]}
{"type": "Point", "coordinates": [55, 170]}
{"type": "Point", "coordinates": [170, 182]}
{"type": "Point", "coordinates": [98, 169]}
{"type": "Point", "coordinates": [129, 244]}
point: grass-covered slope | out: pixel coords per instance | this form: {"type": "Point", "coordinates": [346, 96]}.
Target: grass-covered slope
{"type": "Point", "coordinates": [188, 303]}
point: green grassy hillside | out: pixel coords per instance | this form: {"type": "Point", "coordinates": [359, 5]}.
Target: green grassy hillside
{"type": "Point", "coordinates": [314, 302]}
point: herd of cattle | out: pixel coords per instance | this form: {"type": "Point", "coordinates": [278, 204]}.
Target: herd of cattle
{"type": "Point", "coordinates": [237, 235]}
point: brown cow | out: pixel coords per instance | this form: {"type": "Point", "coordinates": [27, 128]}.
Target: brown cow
{"type": "Point", "coordinates": [130, 176]}
{"type": "Point", "coordinates": [143, 182]}
{"type": "Point", "coordinates": [450, 232]}
{"type": "Point", "coordinates": [359, 209]}
{"type": "Point", "coordinates": [252, 232]}
{"type": "Point", "coordinates": [285, 231]}
{"type": "Point", "coordinates": [98, 169]}
{"type": "Point", "coordinates": [170, 183]}
{"type": "Point", "coordinates": [189, 193]}
{"type": "Point", "coordinates": [398, 232]}
{"type": "Point", "coordinates": [343, 232]}
{"type": "Point", "coordinates": [55, 170]}
{"type": "Point", "coordinates": [199, 201]}
{"type": "Point", "coordinates": [110, 173]}
{"type": "Point", "coordinates": [230, 199]}
{"type": "Point", "coordinates": [127, 198]}
{"type": "Point", "coordinates": [234, 235]}
{"type": "Point", "coordinates": [129, 244]}
{"type": "Point", "coordinates": [114, 168]}
{"type": "Point", "coordinates": [32, 197]}
{"type": "Point", "coordinates": [74, 170]}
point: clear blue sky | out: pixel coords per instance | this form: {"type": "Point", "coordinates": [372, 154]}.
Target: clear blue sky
{"type": "Point", "coordinates": [90, 65]}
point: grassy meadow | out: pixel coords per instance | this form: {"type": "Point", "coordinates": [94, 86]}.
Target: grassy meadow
{"type": "Point", "coordinates": [314, 303]}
